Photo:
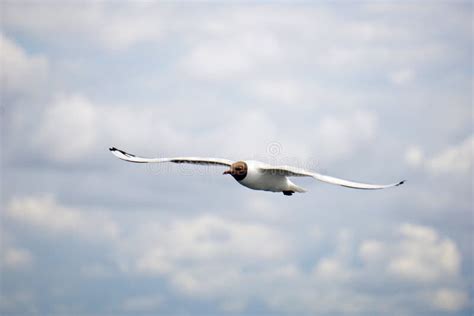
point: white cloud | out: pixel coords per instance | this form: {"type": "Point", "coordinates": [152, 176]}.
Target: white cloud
{"type": "Point", "coordinates": [331, 269]}
{"type": "Point", "coordinates": [234, 54]}
{"type": "Point", "coordinates": [232, 262]}
{"type": "Point", "coordinates": [255, 131]}
{"type": "Point", "coordinates": [414, 156]}
{"type": "Point", "coordinates": [126, 29]}
{"type": "Point", "coordinates": [73, 129]}
{"type": "Point", "coordinates": [281, 91]}
{"type": "Point", "coordinates": [247, 40]}
{"type": "Point", "coordinates": [68, 129]}
{"type": "Point", "coordinates": [417, 232]}
{"type": "Point", "coordinates": [16, 258]}
{"type": "Point", "coordinates": [336, 268]}
{"type": "Point", "coordinates": [13, 257]}
{"type": "Point", "coordinates": [207, 239]}
{"type": "Point", "coordinates": [45, 213]}
{"type": "Point", "coordinates": [402, 76]}
{"type": "Point", "coordinates": [339, 137]}
{"type": "Point", "coordinates": [450, 300]}
{"type": "Point", "coordinates": [259, 207]}
{"type": "Point", "coordinates": [419, 256]}
{"type": "Point", "coordinates": [116, 28]}
{"type": "Point", "coordinates": [424, 256]}
{"type": "Point", "coordinates": [254, 42]}
{"type": "Point", "coordinates": [454, 159]}
{"type": "Point", "coordinates": [186, 252]}
{"type": "Point", "coordinates": [21, 73]}
{"type": "Point", "coordinates": [195, 282]}
{"type": "Point", "coordinates": [372, 251]}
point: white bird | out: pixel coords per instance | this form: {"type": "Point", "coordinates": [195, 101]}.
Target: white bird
{"type": "Point", "coordinates": [257, 175]}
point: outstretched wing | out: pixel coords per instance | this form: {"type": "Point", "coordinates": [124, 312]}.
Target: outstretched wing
{"type": "Point", "coordinates": [191, 160]}
{"type": "Point", "coordinates": [296, 172]}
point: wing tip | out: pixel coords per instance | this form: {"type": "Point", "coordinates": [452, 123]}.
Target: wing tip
{"type": "Point", "coordinates": [114, 150]}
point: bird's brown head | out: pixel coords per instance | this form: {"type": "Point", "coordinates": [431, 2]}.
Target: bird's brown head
{"type": "Point", "coordinates": [238, 170]}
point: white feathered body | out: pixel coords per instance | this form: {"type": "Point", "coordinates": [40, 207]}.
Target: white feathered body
{"type": "Point", "coordinates": [258, 180]}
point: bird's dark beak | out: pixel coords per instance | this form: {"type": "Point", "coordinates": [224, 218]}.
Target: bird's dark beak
{"type": "Point", "coordinates": [227, 172]}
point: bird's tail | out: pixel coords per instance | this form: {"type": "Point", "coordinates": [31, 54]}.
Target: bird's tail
{"type": "Point", "coordinates": [296, 188]}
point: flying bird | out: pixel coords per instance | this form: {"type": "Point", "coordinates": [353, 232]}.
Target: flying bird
{"type": "Point", "coordinates": [257, 175]}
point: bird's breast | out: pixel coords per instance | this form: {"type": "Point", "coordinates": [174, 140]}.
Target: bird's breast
{"type": "Point", "coordinates": [258, 180]}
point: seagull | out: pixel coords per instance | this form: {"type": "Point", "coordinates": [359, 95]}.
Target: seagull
{"type": "Point", "coordinates": [257, 175]}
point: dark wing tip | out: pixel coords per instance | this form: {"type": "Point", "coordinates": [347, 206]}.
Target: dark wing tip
{"type": "Point", "coordinates": [401, 182]}
{"type": "Point", "coordinates": [121, 151]}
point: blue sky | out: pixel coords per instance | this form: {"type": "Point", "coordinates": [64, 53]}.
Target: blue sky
{"type": "Point", "coordinates": [369, 91]}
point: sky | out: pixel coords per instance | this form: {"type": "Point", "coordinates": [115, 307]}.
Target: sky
{"type": "Point", "coordinates": [370, 91]}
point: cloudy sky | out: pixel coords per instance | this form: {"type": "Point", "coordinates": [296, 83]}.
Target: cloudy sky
{"type": "Point", "coordinates": [375, 92]}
